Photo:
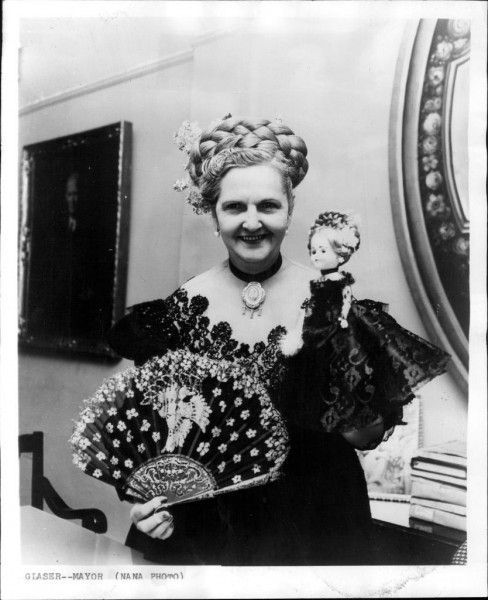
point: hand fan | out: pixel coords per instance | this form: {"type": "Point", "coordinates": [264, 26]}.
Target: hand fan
{"type": "Point", "coordinates": [183, 426]}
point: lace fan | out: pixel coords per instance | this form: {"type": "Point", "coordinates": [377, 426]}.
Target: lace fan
{"type": "Point", "coordinates": [184, 426]}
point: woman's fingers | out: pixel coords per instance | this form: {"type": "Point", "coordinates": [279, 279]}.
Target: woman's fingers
{"type": "Point", "coordinates": [141, 511]}
{"type": "Point", "coordinates": [163, 531]}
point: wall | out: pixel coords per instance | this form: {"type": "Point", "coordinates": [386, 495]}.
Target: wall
{"type": "Point", "coordinates": [51, 389]}
{"type": "Point", "coordinates": [332, 82]}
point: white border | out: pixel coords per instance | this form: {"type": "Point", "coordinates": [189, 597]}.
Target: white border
{"type": "Point", "coordinates": [245, 582]}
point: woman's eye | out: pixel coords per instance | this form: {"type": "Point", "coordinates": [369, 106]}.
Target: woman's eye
{"type": "Point", "coordinates": [268, 206]}
{"type": "Point", "coordinates": [234, 206]}
{"type": "Point", "coordinates": [314, 252]}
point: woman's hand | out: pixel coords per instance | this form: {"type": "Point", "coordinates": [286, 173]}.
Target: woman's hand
{"type": "Point", "coordinates": [158, 525]}
{"type": "Point", "coordinates": [368, 437]}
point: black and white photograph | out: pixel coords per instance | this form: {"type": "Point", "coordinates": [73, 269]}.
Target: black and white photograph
{"type": "Point", "coordinates": [244, 299]}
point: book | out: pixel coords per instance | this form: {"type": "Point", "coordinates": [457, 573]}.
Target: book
{"type": "Point", "coordinates": [434, 467]}
{"type": "Point", "coordinates": [426, 488]}
{"type": "Point", "coordinates": [452, 449]}
{"type": "Point", "coordinates": [438, 516]}
{"type": "Point", "coordinates": [439, 457]}
{"type": "Point", "coordinates": [438, 477]}
{"type": "Point", "coordinates": [438, 505]}
{"type": "Point", "coordinates": [447, 533]}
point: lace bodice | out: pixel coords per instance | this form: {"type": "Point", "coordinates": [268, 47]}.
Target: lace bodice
{"type": "Point", "coordinates": [151, 328]}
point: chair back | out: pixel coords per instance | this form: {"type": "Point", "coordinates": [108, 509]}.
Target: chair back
{"type": "Point", "coordinates": [34, 443]}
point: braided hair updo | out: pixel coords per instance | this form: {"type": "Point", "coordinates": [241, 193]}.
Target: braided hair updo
{"type": "Point", "coordinates": [244, 142]}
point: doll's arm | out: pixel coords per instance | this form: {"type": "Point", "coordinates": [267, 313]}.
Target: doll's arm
{"type": "Point", "coordinates": [346, 305]}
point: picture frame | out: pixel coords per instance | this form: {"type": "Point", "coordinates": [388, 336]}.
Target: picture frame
{"type": "Point", "coordinates": [74, 240]}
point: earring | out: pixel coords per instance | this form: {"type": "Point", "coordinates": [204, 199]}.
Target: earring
{"type": "Point", "coordinates": [216, 233]}
{"type": "Point", "coordinates": [286, 231]}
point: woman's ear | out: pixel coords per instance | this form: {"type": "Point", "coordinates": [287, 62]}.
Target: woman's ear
{"type": "Point", "coordinates": [214, 219]}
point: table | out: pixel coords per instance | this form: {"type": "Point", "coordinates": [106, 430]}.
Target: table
{"type": "Point", "coordinates": [398, 543]}
{"type": "Point", "coordinates": [50, 540]}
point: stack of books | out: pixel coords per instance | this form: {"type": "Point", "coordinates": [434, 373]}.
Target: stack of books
{"type": "Point", "coordinates": [438, 496]}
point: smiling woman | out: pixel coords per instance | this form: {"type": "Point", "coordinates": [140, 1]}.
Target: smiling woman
{"type": "Point", "coordinates": [316, 511]}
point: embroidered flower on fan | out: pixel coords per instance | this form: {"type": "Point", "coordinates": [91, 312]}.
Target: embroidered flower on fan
{"type": "Point", "coordinates": [236, 479]}
{"type": "Point", "coordinates": [131, 413]}
{"type": "Point", "coordinates": [116, 443]}
{"type": "Point", "coordinates": [222, 405]}
{"type": "Point", "coordinates": [121, 426]}
{"type": "Point", "coordinates": [141, 448]}
{"type": "Point", "coordinates": [238, 401]}
{"type": "Point", "coordinates": [216, 432]}
{"type": "Point", "coordinates": [101, 455]}
{"type": "Point", "coordinates": [97, 473]}
{"type": "Point", "coordinates": [145, 425]}
{"type": "Point", "coordinates": [230, 422]}
{"type": "Point", "coordinates": [245, 414]}
{"type": "Point", "coordinates": [234, 436]}
{"type": "Point", "coordinates": [222, 448]}
{"type": "Point", "coordinates": [256, 469]}
{"type": "Point", "coordinates": [251, 433]}
{"type": "Point", "coordinates": [109, 427]}
{"type": "Point", "coordinates": [112, 411]}
{"type": "Point", "coordinates": [84, 443]}
{"type": "Point", "coordinates": [116, 475]}
{"type": "Point", "coordinates": [128, 463]}
{"type": "Point", "coordinates": [156, 436]}
{"type": "Point", "coordinates": [221, 467]}
{"type": "Point", "coordinates": [97, 437]}
{"type": "Point", "coordinates": [129, 437]}
{"type": "Point", "coordinates": [114, 460]}
{"type": "Point", "coordinates": [254, 452]}
{"type": "Point", "coordinates": [236, 458]}
{"type": "Point", "coordinates": [203, 448]}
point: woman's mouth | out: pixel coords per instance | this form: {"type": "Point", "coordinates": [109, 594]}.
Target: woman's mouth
{"type": "Point", "coordinates": [254, 238]}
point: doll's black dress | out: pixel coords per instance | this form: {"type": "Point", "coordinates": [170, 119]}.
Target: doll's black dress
{"type": "Point", "coordinates": [369, 368]}
{"type": "Point", "coordinates": [317, 513]}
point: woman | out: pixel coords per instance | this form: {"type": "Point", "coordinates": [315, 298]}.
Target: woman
{"type": "Point", "coordinates": [243, 171]}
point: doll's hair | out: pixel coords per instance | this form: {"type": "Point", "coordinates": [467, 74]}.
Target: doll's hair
{"type": "Point", "coordinates": [244, 142]}
{"type": "Point", "coordinates": [342, 232]}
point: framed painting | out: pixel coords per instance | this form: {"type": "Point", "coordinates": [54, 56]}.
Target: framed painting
{"type": "Point", "coordinates": [73, 242]}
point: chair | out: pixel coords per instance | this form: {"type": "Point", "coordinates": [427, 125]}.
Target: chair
{"type": "Point", "coordinates": [42, 489]}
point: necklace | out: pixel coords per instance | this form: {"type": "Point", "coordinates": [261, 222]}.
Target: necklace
{"type": "Point", "coordinates": [253, 295]}
{"type": "Point", "coordinates": [329, 271]}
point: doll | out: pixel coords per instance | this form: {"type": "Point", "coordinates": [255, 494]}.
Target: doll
{"type": "Point", "coordinates": [365, 365]}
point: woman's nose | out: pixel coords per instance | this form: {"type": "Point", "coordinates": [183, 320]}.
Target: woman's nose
{"type": "Point", "coordinates": [251, 219]}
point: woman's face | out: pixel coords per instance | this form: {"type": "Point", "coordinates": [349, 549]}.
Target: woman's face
{"type": "Point", "coordinates": [252, 215]}
{"type": "Point", "coordinates": [322, 254]}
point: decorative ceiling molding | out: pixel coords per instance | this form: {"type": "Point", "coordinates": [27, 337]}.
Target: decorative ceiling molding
{"type": "Point", "coordinates": [128, 75]}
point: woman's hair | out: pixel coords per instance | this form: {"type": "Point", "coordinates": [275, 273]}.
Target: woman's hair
{"type": "Point", "coordinates": [242, 142]}
{"type": "Point", "coordinates": [342, 232]}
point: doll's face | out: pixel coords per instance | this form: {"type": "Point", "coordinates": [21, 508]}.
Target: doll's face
{"type": "Point", "coordinates": [322, 254]}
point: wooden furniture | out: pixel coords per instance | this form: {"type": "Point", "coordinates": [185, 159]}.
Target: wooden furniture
{"type": "Point", "coordinates": [49, 540]}
{"type": "Point", "coordinates": [43, 491]}
{"type": "Point", "coordinates": [397, 543]}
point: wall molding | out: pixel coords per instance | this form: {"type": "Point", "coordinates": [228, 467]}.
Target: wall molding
{"type": "Point", "coordinates": [134, 73]}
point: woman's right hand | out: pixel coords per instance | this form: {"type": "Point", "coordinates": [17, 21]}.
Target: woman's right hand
{"type": "Point", "coordinates": [158, 525]}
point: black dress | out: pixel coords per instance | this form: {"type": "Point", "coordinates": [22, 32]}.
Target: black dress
{"type": "Point", "coordinates": [369, 368]}
{"type": "Point", "coordinates": [317, 513]}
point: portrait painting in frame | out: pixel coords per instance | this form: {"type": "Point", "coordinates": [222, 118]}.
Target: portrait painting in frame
{"type": "Point", "coordinates": [73, 247]}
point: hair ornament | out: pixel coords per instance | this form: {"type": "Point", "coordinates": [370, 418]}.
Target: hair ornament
{"type": "Point", "coordinates": [185, 138]}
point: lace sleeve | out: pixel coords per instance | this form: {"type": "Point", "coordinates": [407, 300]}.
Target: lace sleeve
{"type": "Point", "coordinates": [148, 329]}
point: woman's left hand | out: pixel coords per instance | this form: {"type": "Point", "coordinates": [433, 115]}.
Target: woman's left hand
{"type": "Point", "coordinates": [368, 437]}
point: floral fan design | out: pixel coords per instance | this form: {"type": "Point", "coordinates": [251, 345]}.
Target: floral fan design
{"type": "Point", "coordinates": [184, 426]}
